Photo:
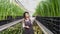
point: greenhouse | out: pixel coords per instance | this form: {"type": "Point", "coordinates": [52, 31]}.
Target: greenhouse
{"type": "Point", "coordinates": [43, 14]}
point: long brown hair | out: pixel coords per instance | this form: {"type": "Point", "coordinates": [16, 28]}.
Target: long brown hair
{"type": "Point", "coordinates": [24, 14]}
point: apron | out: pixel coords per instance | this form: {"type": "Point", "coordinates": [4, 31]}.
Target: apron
{"type": "Point", "coordinates": [30, 29]}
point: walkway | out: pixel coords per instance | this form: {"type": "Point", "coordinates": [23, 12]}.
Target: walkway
{"type": "Point", "coordinates": [39, 25]}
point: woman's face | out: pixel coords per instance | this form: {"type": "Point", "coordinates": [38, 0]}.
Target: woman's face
{"type": "Point", "coordinates": [27, 15]}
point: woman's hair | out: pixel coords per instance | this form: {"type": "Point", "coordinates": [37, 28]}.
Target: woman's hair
{"type": "Point", "coordinates": [25, 13]}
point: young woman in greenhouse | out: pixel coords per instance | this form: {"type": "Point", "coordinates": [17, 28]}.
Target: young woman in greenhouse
{"type": "Point", "coordinates": [27, 24]}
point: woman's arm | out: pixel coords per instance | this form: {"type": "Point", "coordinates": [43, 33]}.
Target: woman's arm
{"type": "Point", "coordinates": [23, 25]}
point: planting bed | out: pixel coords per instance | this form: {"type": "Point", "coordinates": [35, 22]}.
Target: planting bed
{"type": "Point", "coordinates": [15, 29]}
{"type": "Point", "coordinates": [52, 23]}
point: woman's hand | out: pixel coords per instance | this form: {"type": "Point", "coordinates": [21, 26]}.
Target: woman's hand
{"type": "Point", "coordinates": [27, 26]}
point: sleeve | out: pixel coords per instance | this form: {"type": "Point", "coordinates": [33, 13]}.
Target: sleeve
{"type": "Point", "coordinates": [32, 20]}
{"type": "Point", "coordinates": [23, 25]}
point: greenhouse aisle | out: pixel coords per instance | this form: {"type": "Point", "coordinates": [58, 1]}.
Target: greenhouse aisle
{"type": "Point", "coordinates": [41, 25]}
{"type": "Point", "coordinates": [37, 26]}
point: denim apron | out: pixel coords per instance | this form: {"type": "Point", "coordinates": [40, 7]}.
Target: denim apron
{"type": "Point", "coordinates": [30, 29]}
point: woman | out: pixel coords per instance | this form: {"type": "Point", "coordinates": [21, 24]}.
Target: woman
{"type": "Point", "coordinates": [27, 25]}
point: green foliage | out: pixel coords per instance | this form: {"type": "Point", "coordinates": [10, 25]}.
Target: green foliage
{"type": "Point", "coordinates": [49, 8]}
{"type": "Point", "coordinates": [16, 29]}
{"type": "Point", "coordinates": [9, 9]}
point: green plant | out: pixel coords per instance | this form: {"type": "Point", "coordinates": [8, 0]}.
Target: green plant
{"type": "Point", "coordinates": [15, 29]}
{"type": "Point", "coordinates": [49, 8]}
{"type": "Point", "coordinates": [9, 9]}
